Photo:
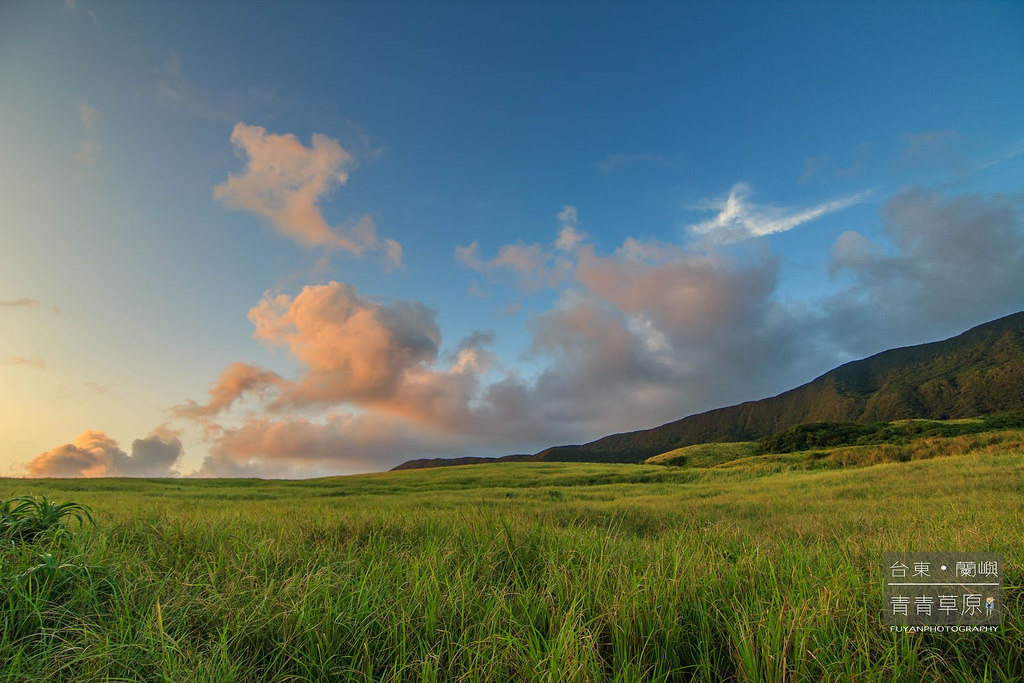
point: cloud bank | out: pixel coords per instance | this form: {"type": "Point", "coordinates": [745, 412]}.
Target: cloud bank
{"type": "Point", "coordinates": [94, 454]}
{"type": "Point", "coordinates": [639, 336]}
{"type": "Point", "coordinates": [949, 262]}
{"type": "Point", "coordinates": [646, 333]}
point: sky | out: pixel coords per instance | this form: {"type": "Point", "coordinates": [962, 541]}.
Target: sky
{"type": "Point", "coordinates": [308, 239]}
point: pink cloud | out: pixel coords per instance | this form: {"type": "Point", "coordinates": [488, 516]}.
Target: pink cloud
{"type": "Point", "coordinates": [94, 454]}
{"type": "Point", "coordinates": [234, 382]}
{"type": "Point", "coordinates": [352, 349]}
{"type": "Point", "coordinates": [37, 363]}
{"type": "Point", "coordinates": [284, 182]}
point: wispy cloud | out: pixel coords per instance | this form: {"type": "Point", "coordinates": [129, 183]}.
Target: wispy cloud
{"type": "Point", "coordinates": [1011, 152]}
{"type": "Point", "coordinates": [618, 160]}
{"type": "Point", "coordinates": [931, 149]}
{"type": "Point", "coordinates": [175, 91]}
{"type": "Point", "coordinates": [30, 362]}
{"type": "Point", "coordinates": [739, 219]}
{"type": "Point", "coordinates": [87, 151]}
{"type": "Point", "coordinates": [89, 117]}
{"type": "Point", "coordinates": [812, 168]}
{"type": "Point", "coordinates": [73, 6]}
{"type": "Point", "coordinates": [89, 148]}
{"type": "Point", "coordinates": [819, 167]}
{"type": "Point", "coordinates": [19, 303]}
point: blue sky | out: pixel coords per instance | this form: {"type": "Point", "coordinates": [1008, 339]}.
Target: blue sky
{"type": "Point", "coordinates": [748, 195]}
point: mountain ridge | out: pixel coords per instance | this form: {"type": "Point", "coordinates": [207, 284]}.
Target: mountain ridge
{"type": "Point", "coordinates": [977, 372]}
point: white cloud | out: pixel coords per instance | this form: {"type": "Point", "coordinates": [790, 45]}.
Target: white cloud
{"type": "Point", "coordinates": [739, 219]}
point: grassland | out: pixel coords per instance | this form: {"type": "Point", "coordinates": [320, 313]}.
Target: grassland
{"type": "Point", "coordinates": [705, 454]}
{"type": "Point", "coordinates": [754, 570]}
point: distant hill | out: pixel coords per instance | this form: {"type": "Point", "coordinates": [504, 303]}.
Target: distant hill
{"type": "Point", "coordinates": [979, 372]}
{"type": "Point", "coordinates": [422, 463]}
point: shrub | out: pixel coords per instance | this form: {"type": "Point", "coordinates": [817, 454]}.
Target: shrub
{"type": "Point", "coordinates": [26, 518]}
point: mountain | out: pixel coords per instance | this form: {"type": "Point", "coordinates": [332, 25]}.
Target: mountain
{"type": "Point", "coordinates": [979, 372]}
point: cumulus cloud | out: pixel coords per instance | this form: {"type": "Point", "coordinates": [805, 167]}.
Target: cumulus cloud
{"type": "Point", "coordinates": [654, 331]}
{"type": "Point", "coordinates": [352, 349]}
{"type": "Point", "coordinates": [739, 219]}
{"type": "Point", "coordinates": [472, 355]}
{"type": "Point", "coordinates": [94, 454]}
{"type": "Point", "coordinates": [284, 182]}
{"type": "Point", "coordinates": [952, 261]}
{"type": "Point", "coordinates": [378, 372]}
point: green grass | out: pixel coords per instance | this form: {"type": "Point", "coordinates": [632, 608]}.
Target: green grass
{"type": "Point", "coordinates": [846, 457]}
{"type": "Point", "coordinates": [705, 454]}
{"type": "Point", "coordinates": [515, 571]}
{"type": "Point", "coordinates": [819, 435]}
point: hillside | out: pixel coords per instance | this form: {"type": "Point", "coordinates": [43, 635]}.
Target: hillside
{"type": "Point", "coordinates": [424, 463]}
{"type": "Point", "coordinates": [975, 373]}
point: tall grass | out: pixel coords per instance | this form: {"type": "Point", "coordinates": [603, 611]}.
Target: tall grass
{"type": "Point", "coordinates": [516, 571]}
